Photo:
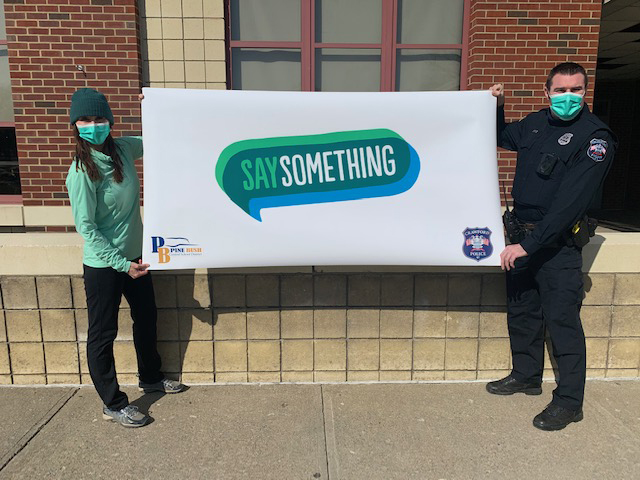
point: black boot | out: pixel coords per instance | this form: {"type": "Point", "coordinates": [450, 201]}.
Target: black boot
{"type": "Point", "coordinates": [509, 385]}
{"type": "Point", "coordinates": [555, 417]}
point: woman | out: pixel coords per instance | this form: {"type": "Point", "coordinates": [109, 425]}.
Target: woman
{"type": "Point", "coordinates": [105, 198]}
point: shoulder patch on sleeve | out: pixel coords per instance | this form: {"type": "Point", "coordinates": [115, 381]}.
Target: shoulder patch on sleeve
{"type": "Point", "coordinates": [597, 149]}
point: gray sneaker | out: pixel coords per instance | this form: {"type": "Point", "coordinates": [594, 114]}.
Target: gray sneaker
{"type": "Point", "coordinates": [128, 416]}
{"type": "Point", "coordinates": [165, 386]}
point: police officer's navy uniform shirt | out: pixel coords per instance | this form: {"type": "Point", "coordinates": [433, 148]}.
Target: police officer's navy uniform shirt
{"type": "Point", "coordinates": [559, 169]}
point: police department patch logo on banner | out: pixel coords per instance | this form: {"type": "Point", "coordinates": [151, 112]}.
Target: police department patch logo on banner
{"type": "Point", "coordinates": [477, 243]}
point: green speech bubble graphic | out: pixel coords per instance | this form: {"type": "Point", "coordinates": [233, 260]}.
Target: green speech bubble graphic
{"type": "Point", "coordinates": [329, 167]}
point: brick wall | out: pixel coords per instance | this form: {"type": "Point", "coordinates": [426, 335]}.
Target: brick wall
{"type": "Point", "coordinates": [47, 39]}
{"type": "Point", "coordinates": [517, 42]}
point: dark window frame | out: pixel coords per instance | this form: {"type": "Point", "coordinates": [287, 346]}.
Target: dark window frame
{"type": "Point", "coordinates": [10, 198]}
{"type": "Point", "coordinates": [388, 45]}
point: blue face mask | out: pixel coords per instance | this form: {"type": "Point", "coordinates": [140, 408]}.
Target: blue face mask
{"type": "Point", "coordinates": [95, 134]}
{"type": "Point", "coordinates": [566, 106]}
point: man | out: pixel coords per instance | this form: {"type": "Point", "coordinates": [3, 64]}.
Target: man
{"type": "Point", "coordinates": [564, 154]}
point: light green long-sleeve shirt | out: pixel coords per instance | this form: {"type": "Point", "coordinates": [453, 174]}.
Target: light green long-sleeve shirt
{"type": "Point", "coordinates": [106, 213]}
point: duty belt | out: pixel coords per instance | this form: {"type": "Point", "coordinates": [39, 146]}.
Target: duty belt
{"type": "Point", "coordinates": [567, 238]}
{"type": "Point", "coordinates": [528, 227]}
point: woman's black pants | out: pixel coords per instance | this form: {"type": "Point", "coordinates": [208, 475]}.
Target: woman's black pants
{"type": "Point", "coordinates": [104, 288]}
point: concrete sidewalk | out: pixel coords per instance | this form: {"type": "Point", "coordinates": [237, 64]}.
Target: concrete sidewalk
{"type": "Point", "coordinates": [331, 431]}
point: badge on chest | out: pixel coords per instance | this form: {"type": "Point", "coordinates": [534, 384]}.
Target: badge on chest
{"type": "Point", "coordinates": [565, 139]}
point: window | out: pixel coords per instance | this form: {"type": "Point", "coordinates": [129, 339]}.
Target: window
{"type": "Point", "coordinates": [9, 177]}
{"type": "Point", "coordinates": [347, 45]}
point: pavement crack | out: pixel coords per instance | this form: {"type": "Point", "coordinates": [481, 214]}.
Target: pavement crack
{"type": "Point", "coordinates": [333, 466]}
{"type": "Point", "coordinates": [33, 431]}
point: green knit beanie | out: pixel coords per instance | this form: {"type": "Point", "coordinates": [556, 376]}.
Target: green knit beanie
{"type": "Point", "coordinates": [87, 102]}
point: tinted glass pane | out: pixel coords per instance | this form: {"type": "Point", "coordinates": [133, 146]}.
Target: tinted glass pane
{"type": "Point", "coordinates": [9, 178]}
{"type": "Point", "coordinates": [3, 32]}
{"type": "Point", "coordinates": [352, 21]}
{"type": "Point", "coordinates": [6, 102]}
{"type": "Point", "coordinates": [430, 21]}
{"type": "Point", "coordinates": [265, 69]}
{"type": "Point", "coordinates": [419, 70]}
{"type": "Point", "coordinates": [265, 20]}
{"type": "Point", "coordinates": [347, 70]}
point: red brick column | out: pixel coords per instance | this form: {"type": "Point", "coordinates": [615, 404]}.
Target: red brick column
{"type": "Point", "coordinates": [47, 39]}
{"type": "Point", "coordinates": [516, 42]}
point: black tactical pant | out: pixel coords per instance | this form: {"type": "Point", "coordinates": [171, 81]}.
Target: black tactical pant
{"type": "Point", "coordinates": [545, 291]}
{"type": "Point", "coordinates": [104, 288]}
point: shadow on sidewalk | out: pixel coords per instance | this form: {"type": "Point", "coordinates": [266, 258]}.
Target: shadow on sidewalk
{"type": "Point", "coordinates": [145, 402]}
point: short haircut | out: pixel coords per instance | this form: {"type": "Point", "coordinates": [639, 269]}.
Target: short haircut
{"type": "Point", "coordinates": [566, 68]}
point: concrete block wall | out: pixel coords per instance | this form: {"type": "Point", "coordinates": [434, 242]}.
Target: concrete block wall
{"type": "Point", "coordinates": [319, 327]}
{"type": "Point", "coordinates": [183, 44]}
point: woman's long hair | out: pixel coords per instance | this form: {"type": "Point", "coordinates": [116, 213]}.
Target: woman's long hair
{"type": "Point", "coordinates": [85, 162]}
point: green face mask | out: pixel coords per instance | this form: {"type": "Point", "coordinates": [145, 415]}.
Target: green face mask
{"type": "Point", "coordinates": [566, 105]}
{"type": "Point", "coordinates": [95, 134]}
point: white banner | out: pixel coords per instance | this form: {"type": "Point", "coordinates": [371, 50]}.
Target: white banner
{"type": "Point", "coordinates": [241, 178]}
